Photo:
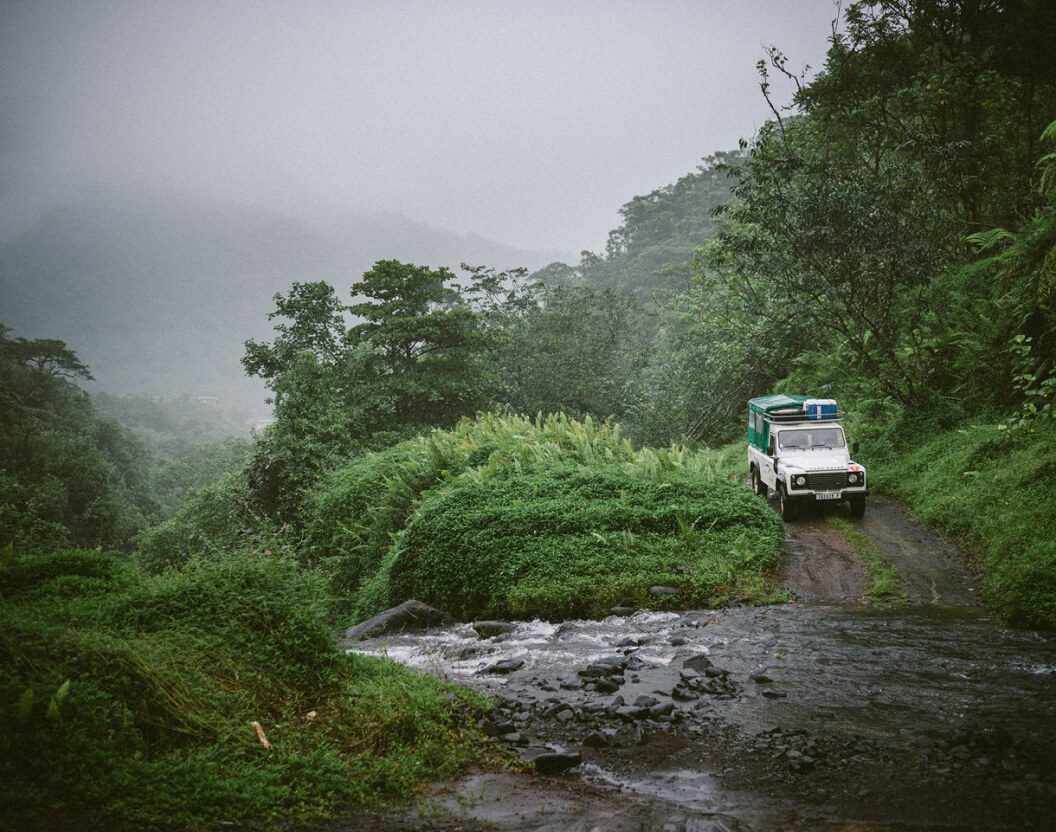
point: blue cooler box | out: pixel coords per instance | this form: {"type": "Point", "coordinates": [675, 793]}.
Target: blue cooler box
{"type": "Point", "coordinates": [820, 408]}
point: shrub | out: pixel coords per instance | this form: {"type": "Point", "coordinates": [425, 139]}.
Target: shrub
{"type": "Point", "coordinates": [132, 699]}
{"type": "Point", "coordinates": [376, 501]}
{"type": "Point", "coordinates": [570, 541]}
{"type": "Point", "coordinates": [361, 507]}
{"type": "Point", "coordinates": [213, 521]}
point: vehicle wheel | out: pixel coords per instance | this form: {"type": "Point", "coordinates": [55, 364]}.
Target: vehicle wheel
{"type": "Point", "coordinates": [786, 504]}
{"type": "Point", "coordinates": [758, 486]}
{"type": "Point", "coordinates": [857, 504]}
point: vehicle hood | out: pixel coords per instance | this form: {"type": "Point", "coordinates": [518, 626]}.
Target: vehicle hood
{"type": "Point", "coordinates": [817, 459]}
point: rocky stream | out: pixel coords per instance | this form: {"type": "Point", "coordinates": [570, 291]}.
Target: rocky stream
{"type": "Point", "coordinates": [822, 714]}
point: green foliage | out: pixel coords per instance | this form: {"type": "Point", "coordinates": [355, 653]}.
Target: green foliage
{"type": "Point", "coordinates": [202, 466]}
{"type": "Point", "coordinates": [712, 354]}
{"type": "Point", "coordinates": [835, 250]}
{"type": "Point", "coordinates": [566, 513]}
{"type": "Point", "coordinates": [994, 493]}
{"type": "Point", "coordinates": [574, 350]}
{"type": "Point", "coordinates": [360, 508]}
{"type": "Point", "coordinates": [568, 541]}
{"type": "Point", "coordinates": [915, 135]}
{"type": "Point", "coordinates": [69, 474]}
{"type": "Point", "coordinates": [212, 522]}
{"type": "Point", "coordinates": [651, 253]}
{"type": "Point", "coordinates": [134, 700]}
{"type": "Point", "coordinates": [414, 361]}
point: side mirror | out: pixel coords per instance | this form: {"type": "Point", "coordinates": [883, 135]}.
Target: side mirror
{"type": "Point", "coordinates": [854, 447]}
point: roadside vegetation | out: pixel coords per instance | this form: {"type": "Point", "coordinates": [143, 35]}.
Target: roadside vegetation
{"type": "Point", "coordinates": [137, 700]}
{"type": "Point", "coordinates": [507, 516]}
{"type": "Point", "coordinates": [891, 243]}
{"type": "Point", "coordinates": [993, 492]}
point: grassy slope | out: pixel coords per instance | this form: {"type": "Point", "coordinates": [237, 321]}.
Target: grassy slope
{"type": "Point", "coordinates": [133, 700]}
{"type": "Point", "coordinates": [995, 493]}
{"type": "Point", "coordinates": [513, 517]}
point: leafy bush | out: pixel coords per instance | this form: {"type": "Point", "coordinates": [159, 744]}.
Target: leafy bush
{"type": "Point", "coordinates": [569, 541]}
{"type": "Point", "coordinates": [133, 700]}
{"type": "Point", "coordinates": [385, 525]}
{"type": "Point", "coordinates": [367, 505]}
{"type": "Point", "coordinates": [363, 505]}
{"type": "Point", "coordinates": [212, 522]}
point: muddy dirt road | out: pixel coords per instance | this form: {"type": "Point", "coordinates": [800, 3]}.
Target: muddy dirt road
{"type": "Point", "coordinates": [824, 714]}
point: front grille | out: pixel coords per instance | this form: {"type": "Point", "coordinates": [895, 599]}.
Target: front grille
{"type": "Point", "coordinates": [827, 481]}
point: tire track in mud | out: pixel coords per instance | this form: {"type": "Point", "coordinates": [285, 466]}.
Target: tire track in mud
{"type": "Point", "coordinates": [821, 565]}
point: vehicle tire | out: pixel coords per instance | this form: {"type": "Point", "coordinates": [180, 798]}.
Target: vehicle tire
{"type": "Point", "coordinates": [857, 504]}
{"type": "Point", "coordinates": [758, 486]}
{"type": "Point", "coordinates": [786, 504]}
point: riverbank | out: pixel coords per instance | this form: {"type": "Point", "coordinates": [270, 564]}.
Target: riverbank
{"type": "Point", "coordinates": [814, 715]}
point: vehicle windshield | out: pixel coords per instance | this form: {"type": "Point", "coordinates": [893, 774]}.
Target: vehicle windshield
{"type": "Point", "coordinates": [800, 438]}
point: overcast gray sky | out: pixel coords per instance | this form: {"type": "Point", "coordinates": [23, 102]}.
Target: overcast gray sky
{"type": "Point", "coordinates": [528, 122]}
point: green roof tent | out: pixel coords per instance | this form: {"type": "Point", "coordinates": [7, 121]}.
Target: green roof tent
{"type": "Point", "coordinates": [773, 406]}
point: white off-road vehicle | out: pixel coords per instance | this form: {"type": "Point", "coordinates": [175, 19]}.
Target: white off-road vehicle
{"type": "Point", "coordinates": [797, 448]}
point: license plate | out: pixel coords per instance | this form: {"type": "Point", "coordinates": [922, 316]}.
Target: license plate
{"type": "Point", "coordinates": [828, 495]}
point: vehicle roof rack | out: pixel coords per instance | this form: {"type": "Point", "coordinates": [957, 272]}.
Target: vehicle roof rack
{"type": "Point", "coordinates": [788, 415]}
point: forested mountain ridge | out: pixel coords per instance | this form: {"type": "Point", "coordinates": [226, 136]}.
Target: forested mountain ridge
{"type": "Point", "coordinates": [158, 292]}
{"type": "Point", "coordinates": [652, 251]}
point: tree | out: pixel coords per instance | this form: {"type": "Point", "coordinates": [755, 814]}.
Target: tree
{"type": "Point", "coordinates": [851, 210]}
{"type": "Point", "coordinates": [426, 345]}
{"type": "Point", "coordinates": [574, 350]}
{"type": "Point", "coordinates": [651, 253]}
{"type": "Point", "coordinates": [67, 474]}
{"type": "Point", "coordinates": [414, 360]}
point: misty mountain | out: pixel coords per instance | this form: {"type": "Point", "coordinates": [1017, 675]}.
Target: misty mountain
{"type": "Point", "coordinates": [157, 293]}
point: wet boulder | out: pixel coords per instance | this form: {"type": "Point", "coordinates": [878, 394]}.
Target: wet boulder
{"type": "Point", "coordinates": [410, 616]}
{"type": "Point", "coordinates": [599, 739]}
{"type": "Point", "coordinates": [608, 684]}
{"type": "Point", "coordinates": [607, 666]}
{"type": "Point", "coordinates": [505, 666]}
{"type": "Point", "coordinates": [699, 663]}
{"type": "Point", "coordinates": [490, 629]}
{"type": "Point", "coordinates": [555, 762]}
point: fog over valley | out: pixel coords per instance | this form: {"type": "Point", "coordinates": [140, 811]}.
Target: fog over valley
{"type": "Point", "coordinates": [166, 168]}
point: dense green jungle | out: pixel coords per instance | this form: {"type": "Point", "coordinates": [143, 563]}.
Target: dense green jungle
{"type": "Point", "coordinates": [505, 443]}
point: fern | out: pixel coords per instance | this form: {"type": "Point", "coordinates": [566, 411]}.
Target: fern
{"type": "Point", "coordinates": [984, 240]}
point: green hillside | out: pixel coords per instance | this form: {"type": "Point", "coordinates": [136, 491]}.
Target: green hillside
{"type": "Point", "coordinates": [158, 292]}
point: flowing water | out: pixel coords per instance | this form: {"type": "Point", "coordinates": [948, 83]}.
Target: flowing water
{"type": "Point", "coordinates": [935, 696]}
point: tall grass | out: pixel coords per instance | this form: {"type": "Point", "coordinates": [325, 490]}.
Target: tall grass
{"type": "Point", "coordinates": [994, 492]}
{"type": "Point", "coordinates": [132, 700]}
{"type": "Point", "coordinates": [376, 521]}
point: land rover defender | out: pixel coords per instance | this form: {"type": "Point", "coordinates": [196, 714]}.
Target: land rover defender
{"type": "Point", "coordinates": [797, 448]}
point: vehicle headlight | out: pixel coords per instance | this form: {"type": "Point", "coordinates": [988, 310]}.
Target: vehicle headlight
{"type": "Point", "coordinates": [801, 480]}
{"type": "Point", "coordinates": [854, 478]}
